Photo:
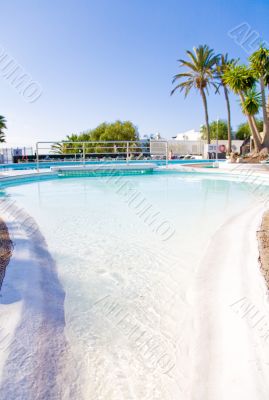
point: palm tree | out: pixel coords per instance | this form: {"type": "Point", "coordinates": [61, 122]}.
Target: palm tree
{"type": "Point", "coordinates": [250, 107]}
{"type": "Point", "coordinates": [2, 126]}
{"type": "Point", "coordinates": [241, 80]}
{"type": "Point", "coordinates": [259, 63]}
{"type": "Point", "coordinates": [58, 148]}
{"type": "Point", "coordinates": [223, 64]}
{"type": "Point", "coordinates": [199, 76]}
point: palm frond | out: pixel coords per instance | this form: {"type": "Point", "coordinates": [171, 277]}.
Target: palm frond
{"type": "Point", "coordinates": [3, 122]}
{"type": "Point", "coordinates": [200, 68]}
{"type": "Point", "coordinates": [239, 78]}
{"type": "Point", "coordinates": [252, 102]}
{"type": "Point", "coordinates": [183, 75]}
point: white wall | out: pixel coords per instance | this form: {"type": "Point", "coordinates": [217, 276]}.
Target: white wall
{"type": "Point", "coordinates": [181, 147]}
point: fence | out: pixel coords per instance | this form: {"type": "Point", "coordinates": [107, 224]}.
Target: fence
{"type": "Point", "coordinates": [82, 152]}
{"type": "Point", "coordinates": [8, 154]}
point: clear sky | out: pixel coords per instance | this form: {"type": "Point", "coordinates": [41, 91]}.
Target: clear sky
{"type": "Point", "coordinates": [102, 60]}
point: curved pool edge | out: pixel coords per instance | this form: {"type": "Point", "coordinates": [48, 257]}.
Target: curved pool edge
{"type": "Point", "coordinates": [34, 296]}
{"type": "Point", "coordinates": [227, 285]}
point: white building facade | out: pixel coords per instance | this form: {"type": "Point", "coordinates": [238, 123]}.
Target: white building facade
{"type": "Point", "coordinates": [188, 135]}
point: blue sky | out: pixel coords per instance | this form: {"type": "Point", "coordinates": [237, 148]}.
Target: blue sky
{"type": "Point", "coordinates": [102, 60]}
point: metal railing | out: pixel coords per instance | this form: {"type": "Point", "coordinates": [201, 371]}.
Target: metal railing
{"type": "Point", "coordinates": [106, 151]}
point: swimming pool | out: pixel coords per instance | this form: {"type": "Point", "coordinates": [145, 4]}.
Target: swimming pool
{"type": "Point", "coordinates": [43, 165]}
{"type": "Point", "coordinates": [127, 250]}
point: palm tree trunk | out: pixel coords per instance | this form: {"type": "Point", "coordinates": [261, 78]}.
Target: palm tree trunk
{"type": "Point", "coordinates": [206, 114]}
{"type": "Point", "coordinates": [265, 140]}
{"type": "Point", "coordinates": [267, 106]}
{"type": "Point", "coordinates": [253, 128]}
{"type": "Point", "coordinates": [258, 134]}
{"type": "Point", "coordinates": [255, 133]}
{"type": "Point", "coordinates": [229, 118]}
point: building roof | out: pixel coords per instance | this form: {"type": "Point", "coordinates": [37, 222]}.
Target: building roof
{"type": "Point", "coordinates": [188, 135]}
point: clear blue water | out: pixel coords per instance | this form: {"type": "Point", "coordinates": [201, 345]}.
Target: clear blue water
{"type": "Point", "coordinates": [42, 165]}
{"type": "Point", "coordinates": [113, 261]}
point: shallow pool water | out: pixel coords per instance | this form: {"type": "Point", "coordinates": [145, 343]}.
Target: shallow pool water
{"type": "Point", "coordinates": [127, 249]}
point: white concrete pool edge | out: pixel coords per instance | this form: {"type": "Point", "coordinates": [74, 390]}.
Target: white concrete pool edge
{"type": "Point", "coordinates": [227, 282]}
{"type": "Point", "coordinates": [31, 318]}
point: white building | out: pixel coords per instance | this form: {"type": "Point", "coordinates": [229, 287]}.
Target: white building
{"type": "Point", "coordinates": [188, 135]}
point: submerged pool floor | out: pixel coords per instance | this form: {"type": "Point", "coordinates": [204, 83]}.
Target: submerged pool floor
{"type": "Point", "coordinates": [127, 249]}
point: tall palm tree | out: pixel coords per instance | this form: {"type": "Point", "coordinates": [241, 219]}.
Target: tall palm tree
{"type": "Point", "coordinates": [2, 126]}
{"type": "Point", "coordinates": [199, 75]}
{"type": "Point", "coordinates": [259, 63]}
{"type": "Point", "coordinates": [224, 63]}
{"type": "Point", "coordinates": [241, 80]}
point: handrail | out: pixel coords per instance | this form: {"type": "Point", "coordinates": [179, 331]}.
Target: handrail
{"type": "Point", "coordinates": [120, 148]}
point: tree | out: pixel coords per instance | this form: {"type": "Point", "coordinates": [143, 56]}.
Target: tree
{"type": "Point", "coordinates": [120, 131]}
{"type": "Point", "coordinates": [250, 107]}
{"type": "Point", "coordinates": [2, 127]}
{"type": "Point", "coordinates": [59, 148]}
{"type": "Point", "coordinates": [199, 75]}
{"type": "Point", "coordinates": [217, 128]}
{"type": "Point", "coordinates": [109, 132]}
{"type": "Point", "coordinates": [241, 80]}
{"type": "Point", "coordinates": [224, 63]}
{"type": "Point", "coordinates": [243, 131]}
{"type": "Point", "coordinates": [259, 63]}
{"type": "Point", "coordinates": [252, 102]}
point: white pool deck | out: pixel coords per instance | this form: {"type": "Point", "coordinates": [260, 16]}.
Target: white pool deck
{"type": "Point", "coordinates": [248, 172]}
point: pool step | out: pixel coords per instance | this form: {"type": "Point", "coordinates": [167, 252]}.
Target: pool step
{"type": "Point", "coordinates": [104, 170]}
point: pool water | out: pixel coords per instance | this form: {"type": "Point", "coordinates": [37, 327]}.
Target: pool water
{"type": "Point", "coordinates": [126, 274]}
{"type": "Point", "coordinates": [45, 164]}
